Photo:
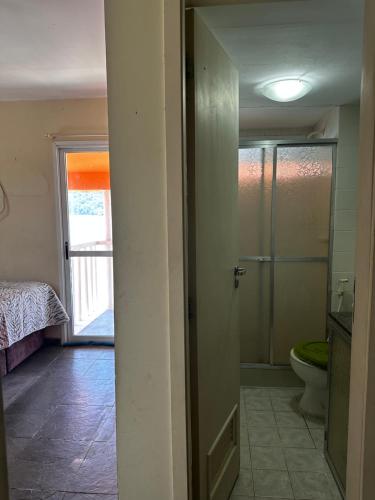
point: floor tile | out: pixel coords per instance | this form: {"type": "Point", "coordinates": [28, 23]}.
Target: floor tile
{"type": "Point", "coordinates": [107, 429]}
{"type": "Point", "coordinates": [260, 419]}
{"type": "Point", "coordinates": [25, 475]}
{"type": "Point", "coordinates": [245, 459]}
{"type": "Point", "coordinates": [62, 367]}
{"type": "Point", "coordinates": [14, 385]}
{"type": "Point", "coordinates": [289, 419]}
{"type": "Point", "coordinates": [274, 484]}
{"type": "Point", "coordinates": [285, 392]}
{"type": "Point", "coordinates": [108, 354]}
{"type": "Point", "coordinates": [88, 392]}
{"type": "Point", "coordinates": [244, 485]}
{"type": "Point", "coordinates": [311, 486]}
{"type": "Point", "coordinates": [300, 459]}
{"type": "Point", "coordinates": [88, 496]}
{"type": "Point", "coordinates": [318, 438]}
{"type": "Point", "coordinates": [61, 478]}
{"type": "Point", "coordinates": [254, 403]}
{"type": "Point", "coordinates": [84, 353]}
{"type": "Point", "coordinates": [284, 404]}
{"type": "Point", "coordinates": [73, 422]}
{"type": "Point", "coordinates": [55, 451]}
{"type": "Point", "coordinates": [14, 446]}
{"type": "Point", "coordinates": [264, 437]}
{"type": "Point", "coordinates": [98, 472]}
{"type": "Point", "coordinates": [241, 497]}
{"type": "Point", "coordinates": [267, 458]}
{"type": "Point", "coordinates": [36, 495]}
{"type": "Point", "coordinates": [256, 392]}
{"type": "Point", "coordinates": [24, 425]}
{"type": "Point", "coordinates": [295, 438]}
{"type": "Point", "coordinates": [314, 423]}
{"type": "Point", "coordinates": [101, 369]}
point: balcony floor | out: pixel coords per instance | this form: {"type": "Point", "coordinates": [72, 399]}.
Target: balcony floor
{"type": "Point", "coordinates": [102, 326]}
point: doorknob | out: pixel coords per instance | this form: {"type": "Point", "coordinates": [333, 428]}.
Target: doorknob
{"type": "Point", "coordinates": [238, 272]}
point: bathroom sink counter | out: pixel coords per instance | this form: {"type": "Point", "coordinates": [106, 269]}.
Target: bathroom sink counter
{"type": "Point", "coordinates": [344, 319]}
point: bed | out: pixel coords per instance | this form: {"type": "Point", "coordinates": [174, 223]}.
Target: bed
{"type": "Point", "coordinates": [26, 309]}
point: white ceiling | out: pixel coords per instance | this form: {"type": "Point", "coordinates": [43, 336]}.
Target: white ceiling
{"type": "Point", "coordinates": [318, 40]}
{"type": "Point", "coordinates": [56, 49]}
{"type": "Point", "coordinates": [52, 49]}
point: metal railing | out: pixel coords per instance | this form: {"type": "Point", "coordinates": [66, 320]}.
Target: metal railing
{"type": "Point", "coordinates": [92, 281]}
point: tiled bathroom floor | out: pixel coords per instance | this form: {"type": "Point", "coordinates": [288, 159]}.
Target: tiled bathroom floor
{"type": "Point", "coordinates": [281, 451]}
{"type": "Point", "coordinates": [60, 425]}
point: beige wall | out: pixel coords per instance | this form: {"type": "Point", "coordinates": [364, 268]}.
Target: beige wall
{"type": "Point", "coordinates": [146, 174]}
{"type": "Point", "coordinates": [28, 242]}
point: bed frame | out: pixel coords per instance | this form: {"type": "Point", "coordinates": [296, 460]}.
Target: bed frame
{"type": "Point", "coordinates": [21, 350]}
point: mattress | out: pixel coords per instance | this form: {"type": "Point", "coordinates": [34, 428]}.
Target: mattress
{"type": "Point", "coordinates": [26, 307]}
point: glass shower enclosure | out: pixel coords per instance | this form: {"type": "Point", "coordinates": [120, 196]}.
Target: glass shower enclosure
{"type": "Point", "coordinates": [284, 207]}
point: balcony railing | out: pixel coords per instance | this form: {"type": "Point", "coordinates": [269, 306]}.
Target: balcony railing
{"type": "Point", "coordinates": [92, 282]}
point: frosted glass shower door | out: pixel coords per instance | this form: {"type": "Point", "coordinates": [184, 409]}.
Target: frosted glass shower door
{"type": "Point", "coordinates": [301, 231]}
{"type": "Point", "coordinates": [255, 197]}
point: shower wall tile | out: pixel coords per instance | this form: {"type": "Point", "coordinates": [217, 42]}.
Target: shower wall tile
{"type": "Point", "coordinates": [344, 241]}
{"type": "Point", "coordinates": [346, 178]}
{"type": "Point", "coordinates": [345, 205]}
{"type": "Point", "coordinates": [343, 262]}
{"type": "Point", "coordinates": [346, 199]}
{"type": "Point", "coordinates": [345, 220]}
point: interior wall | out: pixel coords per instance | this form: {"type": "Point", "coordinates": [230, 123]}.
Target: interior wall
{"type": "Point", "coordinates": [144, 88]}
{"type": "Point", "coordinates": [275, 133]}
{"type": "Point", "coordinates": [328, 126]}
{"type": "Point", "coordinates": [28, 249]}
{"type": "Point", "coordinates": [345, 205]}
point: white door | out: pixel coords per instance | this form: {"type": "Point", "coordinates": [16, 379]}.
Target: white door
{"type": "Point", "coordinates": [212, 176]}
{"type": "Point", "coordinates": [87, 242]}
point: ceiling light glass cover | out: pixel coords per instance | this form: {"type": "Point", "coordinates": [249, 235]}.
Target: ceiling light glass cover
{"type": "Point", "coordinates": [286, 90]}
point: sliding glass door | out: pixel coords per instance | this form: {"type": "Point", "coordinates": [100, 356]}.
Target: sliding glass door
{"type": "Point", "coordinates": [87, 240]}
{"type": "Point", "coordinates": [285, 197]}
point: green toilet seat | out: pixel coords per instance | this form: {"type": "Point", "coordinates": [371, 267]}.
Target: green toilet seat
{"type": "Point", "coordinates": [314, 353]}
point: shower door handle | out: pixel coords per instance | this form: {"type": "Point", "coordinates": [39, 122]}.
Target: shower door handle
{"type": "Point", "coordinates": [263, 259]}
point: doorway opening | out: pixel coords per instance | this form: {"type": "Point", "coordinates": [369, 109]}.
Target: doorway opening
{"type": "Point", "coordinates": [285, 206]}
{"type": "Point", "coordinates": [85, 192]}
{"type": "Point", "coordinates": [58, 388]}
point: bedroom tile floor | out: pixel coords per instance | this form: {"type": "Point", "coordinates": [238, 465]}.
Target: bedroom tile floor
{"type": "Point", "coordinates": [60, 417]}
{"type": "Point", "coordinates": [281, 451]}
{"type": "Point", "coordinates": [60, 423]}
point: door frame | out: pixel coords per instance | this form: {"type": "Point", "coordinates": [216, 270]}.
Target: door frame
{"type": "Point", "coordinates": [60, 147]}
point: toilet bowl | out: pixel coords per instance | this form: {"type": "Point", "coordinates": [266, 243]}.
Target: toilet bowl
{"type": "Point", "coordinates": [314, 399]}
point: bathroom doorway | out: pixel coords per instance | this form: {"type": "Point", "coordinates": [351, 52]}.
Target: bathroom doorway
{"type": "Point", "coordinates": [286, 199]}
{"type": "Point", "coordinates": [284, 208]}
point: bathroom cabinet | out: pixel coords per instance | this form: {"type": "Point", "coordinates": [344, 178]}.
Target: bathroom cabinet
{"type": "Point", "coordinates": [336, 436]}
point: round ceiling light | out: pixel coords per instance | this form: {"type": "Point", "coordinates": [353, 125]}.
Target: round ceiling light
{"type": "Point", "coordinates": [286, 90]}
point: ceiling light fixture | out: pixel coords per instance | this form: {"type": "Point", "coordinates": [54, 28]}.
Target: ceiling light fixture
{"type": "Point", "coordinates": [286, 90]}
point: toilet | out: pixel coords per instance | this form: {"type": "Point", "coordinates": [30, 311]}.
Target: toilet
{"type": "Point", "coordinates": [309, 361]}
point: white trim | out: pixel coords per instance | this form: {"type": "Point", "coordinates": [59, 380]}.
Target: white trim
{"type": "Point", "coordinates": [59, 235]}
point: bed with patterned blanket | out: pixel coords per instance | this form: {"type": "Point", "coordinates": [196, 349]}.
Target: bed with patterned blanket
{"type": "Point", "coordinates": [26, 309]}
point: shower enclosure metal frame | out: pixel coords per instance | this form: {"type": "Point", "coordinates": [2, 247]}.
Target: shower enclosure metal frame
{"type": "Point", "coordinates": [272, 258]}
